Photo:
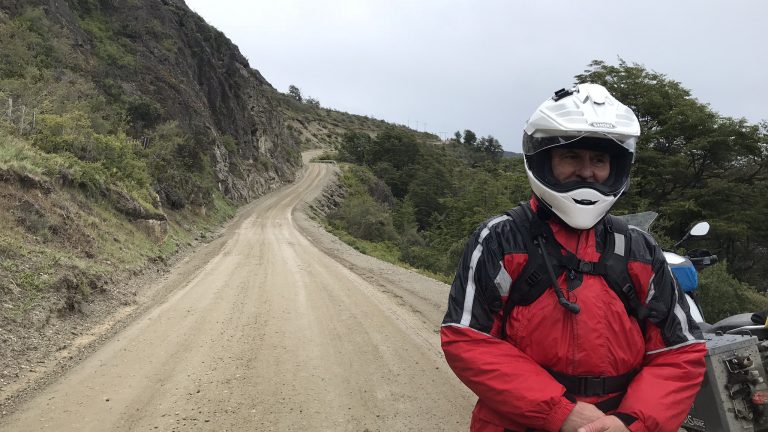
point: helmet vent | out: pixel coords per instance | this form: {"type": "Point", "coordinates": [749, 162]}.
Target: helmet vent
{"type": "Point", "coordinates": [584, 202]}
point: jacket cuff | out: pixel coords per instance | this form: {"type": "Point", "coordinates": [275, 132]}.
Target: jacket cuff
{"type": "Point", "coordinates": [558, 414]}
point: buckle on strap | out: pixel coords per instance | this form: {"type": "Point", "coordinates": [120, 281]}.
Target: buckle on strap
{"type": "Point", "coordinates": [592, 386]}
{"type": "Point", "coordinates": [586, 267]}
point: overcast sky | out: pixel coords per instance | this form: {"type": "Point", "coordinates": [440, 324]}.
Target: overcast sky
{"type": "Point", "coordinates": [485, 65]}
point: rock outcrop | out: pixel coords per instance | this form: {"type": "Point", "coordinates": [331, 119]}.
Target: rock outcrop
{"type": "Point", "coordinates": [162, 54]}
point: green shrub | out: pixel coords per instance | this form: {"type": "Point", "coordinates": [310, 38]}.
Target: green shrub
{"type": "Point", "coordinates": [427, 258]}
{"type": "Point", "coordinates": [72, 134]}
{"type": "Point", "coordinates": [326, 155]}
{"type": "Point", "coordinates": [229, 143]}
{"type": "Point", "coordinates": [364, 218]}
{"type": "Point", "coordinates": [721, 295]}
{"type": "Point", "coordinates": [180, 167]}
{"type": "Point", "coordinates": [143, 112]}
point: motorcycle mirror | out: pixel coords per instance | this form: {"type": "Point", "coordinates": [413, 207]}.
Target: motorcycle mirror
{"type": "Point", "coordinates": [700, 229]}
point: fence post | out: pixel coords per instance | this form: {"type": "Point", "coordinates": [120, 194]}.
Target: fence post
{"type": "Point", "coordinates": [21, 125]}
{"type": "Point", "coordinates": [10, 109]}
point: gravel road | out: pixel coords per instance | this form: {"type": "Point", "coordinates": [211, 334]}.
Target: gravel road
{"type": "Point", "coordinates": [275, 326]}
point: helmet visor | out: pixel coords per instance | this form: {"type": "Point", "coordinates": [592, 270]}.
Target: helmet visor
{"type": "Point", "coordinates": [532, 144]}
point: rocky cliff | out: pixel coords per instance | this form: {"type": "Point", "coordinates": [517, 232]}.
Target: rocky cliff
{"type": "Point", "coordinates": [163, 62]}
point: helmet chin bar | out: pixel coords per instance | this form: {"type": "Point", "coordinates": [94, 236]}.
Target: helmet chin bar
{"type": "Point", "coordinates": [588, 217]}
{"type": "Point", "coordinates": [571, 207]}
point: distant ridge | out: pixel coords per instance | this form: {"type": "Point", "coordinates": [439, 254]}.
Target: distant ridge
{"type": "Point", "coordinates": [509, 154]}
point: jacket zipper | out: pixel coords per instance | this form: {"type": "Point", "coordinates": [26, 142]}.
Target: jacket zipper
{"type": "Point", "coordinates": [572, 317]}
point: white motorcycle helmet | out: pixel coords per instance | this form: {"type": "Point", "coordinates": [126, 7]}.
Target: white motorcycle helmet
{"type": "Point", "coordinates": [585, 117]}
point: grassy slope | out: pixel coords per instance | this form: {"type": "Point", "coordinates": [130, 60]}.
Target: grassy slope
{"type": "Point", "coordinates": [60, 245]}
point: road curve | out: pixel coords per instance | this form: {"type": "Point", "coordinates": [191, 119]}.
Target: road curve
{"type": "Point", "coordinates": [269, 332]}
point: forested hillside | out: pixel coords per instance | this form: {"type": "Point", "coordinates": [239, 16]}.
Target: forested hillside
{"type": "Point", "coordinates": [416, 203]}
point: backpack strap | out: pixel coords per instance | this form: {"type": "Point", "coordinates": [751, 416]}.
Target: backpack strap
{"type": "Point", "coordinates": [614, 267]}
{"type": "Point", "coordinates": [532, 282]}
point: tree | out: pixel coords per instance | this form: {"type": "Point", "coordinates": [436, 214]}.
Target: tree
{"type": "Point", "coordinates": [312, 102]}
{"type": "Point", "coordinates": [402, 151]}
{"type": "Point", "coordinates": [354, 146]}
{"type": "Point", "coordinates": [721, 294]}
{"type": "Point", "coordinates": [469, 138]}
{"type": "Point", "coordinates": [364, 218]}
{"type": "Point", "coordinates": [490, 147]}
{"type": "Point", "coordinates": [295, 93]}
{"type": "Point", "coordinates": [426, 191]}
{"type": "Point", "coordinates": [694, 164]}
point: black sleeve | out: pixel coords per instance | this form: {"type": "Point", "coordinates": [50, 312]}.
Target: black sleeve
{"type": "Point", "coordinates": [480, 279]}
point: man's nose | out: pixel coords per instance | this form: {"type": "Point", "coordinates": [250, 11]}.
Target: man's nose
{"type": "Point", "coordinates": [585, 170]}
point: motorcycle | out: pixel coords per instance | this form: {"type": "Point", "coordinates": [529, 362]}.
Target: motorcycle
{"type": "Point", "coordinates": [734, 394]}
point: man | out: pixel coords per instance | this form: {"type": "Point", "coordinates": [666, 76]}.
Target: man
{"type": "Point", "coordinates": [611, 345]}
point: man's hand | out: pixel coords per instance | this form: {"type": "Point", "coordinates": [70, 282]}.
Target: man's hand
{"type": "Point", "coordinates": [604, 424]}
{"type": "Point", "coordinates": [582, 415]}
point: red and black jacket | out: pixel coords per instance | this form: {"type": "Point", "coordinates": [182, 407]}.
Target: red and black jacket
{"type": "Point", "coordinates": [513, 378]}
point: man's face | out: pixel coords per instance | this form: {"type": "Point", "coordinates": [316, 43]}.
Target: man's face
{"type": "Point", "coordinates": [580, 164]}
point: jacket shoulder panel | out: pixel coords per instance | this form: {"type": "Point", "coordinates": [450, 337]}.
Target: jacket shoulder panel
{"type": "Point", "coordinates": [481, 277]}
{"type": "Point", "coordinates": [642, 247]}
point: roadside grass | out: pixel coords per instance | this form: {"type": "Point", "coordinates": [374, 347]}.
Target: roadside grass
{"type": "Point", "coordinates": [34, 272]}
{"type": "Point", "coordinates": [60, 242]}
{"type": "Point", "coordinates": [18, 157]}
{"type": "Point", "coordinates": [385, 251]}
{"type": "Point", "coordinates": [120, 242]}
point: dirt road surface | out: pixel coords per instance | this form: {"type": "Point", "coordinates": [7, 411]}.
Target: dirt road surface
{"type": "Point", "coordinates": [275, 326]}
